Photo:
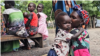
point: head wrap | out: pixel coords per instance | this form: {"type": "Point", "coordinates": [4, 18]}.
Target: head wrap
{"type": "Point", "coordinates": [83, 14]}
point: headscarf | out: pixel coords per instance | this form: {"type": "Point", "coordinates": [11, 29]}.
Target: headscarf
{"type": "Point", "coordinates": [83, 14]}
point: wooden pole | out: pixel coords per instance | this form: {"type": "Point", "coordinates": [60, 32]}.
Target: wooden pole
{"type": "Point", "coordinates": [94, 22]}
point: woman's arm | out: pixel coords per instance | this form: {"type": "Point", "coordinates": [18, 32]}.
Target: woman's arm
{"type": "Point", "coordinates": [78, 33]}
{"type": "Point", "coordinates": [6, 20]}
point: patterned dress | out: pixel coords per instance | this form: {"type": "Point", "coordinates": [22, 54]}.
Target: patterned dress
{"type": "Point", "coordinates": [61, 43]}
{"type": "Point", "coordinates": [80, 46]}
{"type": "Point", "coordinates": [3, 29]}
{"type": "Point", "coordinates": [42, 25]}
{"type": "Point", "coordinates": [32, 28]}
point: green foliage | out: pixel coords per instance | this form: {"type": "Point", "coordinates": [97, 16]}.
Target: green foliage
{"type": "Point", "coordinates": [23, 6]}
{"type": "Point", "coordinates": [93, 7]}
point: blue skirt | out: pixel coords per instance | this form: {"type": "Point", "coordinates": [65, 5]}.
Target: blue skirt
{"type": "Point", "coordinates": [52, 53]}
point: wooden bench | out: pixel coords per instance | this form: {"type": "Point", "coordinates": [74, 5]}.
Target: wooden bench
{"type": "Point", "coordinates": [37, 39]}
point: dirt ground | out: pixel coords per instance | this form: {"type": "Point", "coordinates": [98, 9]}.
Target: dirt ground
{"type": "Point", "coordinates": [36, 51]}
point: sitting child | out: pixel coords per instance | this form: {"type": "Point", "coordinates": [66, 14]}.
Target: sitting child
{"type": "Point", "coordinates": [42, 29]}
{"type": "Point", "coordinates": [63, 37]}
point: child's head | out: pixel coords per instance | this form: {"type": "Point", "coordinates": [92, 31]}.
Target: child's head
{"type": "Point", "coordinates": [25, 14]}
{"type": "Point", "coordinates": [57, 12]}
{"type": "Point", "coordinates": [79, 16]}
{"type": "Point", "coordinates": [63, 21]}
{"type": "Point", "coordinates": [31, 7]}
{"type": "Point", "coordinates": [40, 7]}
{"type": "Point", "coordinates": [9, 4]}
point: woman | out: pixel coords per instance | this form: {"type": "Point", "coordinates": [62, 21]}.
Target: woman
{"type": "Point", "coordinates": [15, 26]}
{"type": "Point", "coordinates": [65, 6]}
{"type": "Point", "coordinates": [79, 46]}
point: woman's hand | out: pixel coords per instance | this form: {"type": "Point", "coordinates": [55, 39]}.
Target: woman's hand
{"type": "Point", "coordinates": [38, 15]}
{"type": "Point", "coordinates": [81, 29]}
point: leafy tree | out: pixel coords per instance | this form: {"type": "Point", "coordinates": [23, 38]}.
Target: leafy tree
{"type": "Point", "coordinates": [23, 6]}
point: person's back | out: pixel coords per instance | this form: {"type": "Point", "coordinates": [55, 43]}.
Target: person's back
{"type": "Point", "coordinates": [15, 16]}
{"type": "Point", "coordinates": [15, 26]}
{"type": "Point", "coordinates": [15, 20]}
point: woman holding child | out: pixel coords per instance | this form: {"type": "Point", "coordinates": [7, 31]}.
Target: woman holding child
{"type": "Point", "coordinates": [78, 46]}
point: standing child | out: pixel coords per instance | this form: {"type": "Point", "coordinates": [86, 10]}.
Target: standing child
{"type": "Point", "coordinates": [42, 21]}
{"type": "Point", "coordinates": [31, 24]}
{"type": "Point", "coordinates": [63, 37]}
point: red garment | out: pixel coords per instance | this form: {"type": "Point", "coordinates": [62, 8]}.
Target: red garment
{"type": "Point", "coordinates": [25, 20]}
{"type": "Point", "coordinates": [32, 28]}
{"type": "Point", "coordinates": [34, 21]}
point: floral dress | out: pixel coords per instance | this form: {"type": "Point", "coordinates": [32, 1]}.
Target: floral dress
{"type": "Point", "coordinates": [32, 27]}
{"type": "Point", "coordinates": [61, 43]}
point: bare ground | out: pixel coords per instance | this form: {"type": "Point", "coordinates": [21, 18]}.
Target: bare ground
{"type": "Point", "coordinates": [36, 51]}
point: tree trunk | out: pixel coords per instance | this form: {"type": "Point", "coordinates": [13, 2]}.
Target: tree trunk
{"type": "Point", "coordinates": [51, 18]}
{"type": "Point", "coordinates": [93, 22]}
{"type": "Point", "coordinates": [90, 22]}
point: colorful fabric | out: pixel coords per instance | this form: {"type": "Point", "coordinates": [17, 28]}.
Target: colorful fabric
{"type": "Point", "coordinates": [10, 46]}
{"type": "Point", "coordinates": [80, 45]}
{"type": "Point", "coordinates": [65, 7]}
{"type": "Point", "coordinates": [42, 25]}
{"type": "Point", "coordinates": [33, 26]}
{"type": "Point", "coordinates": [62, 42]}
{"type": "Point", "coordinates": [82, 13]}
{"type": "Point", "coordinates": [15, 22]}
{"type": "Point", "coordinates": [3, 29]}
{"type": "Point", "coordinates": [15, 25]}
{"type": "Point", "coordinates": [81, 52]}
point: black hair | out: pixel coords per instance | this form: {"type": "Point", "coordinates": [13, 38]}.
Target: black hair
{"type": "Point", "coordinates": [33, 5]}
{"type": "Point", "coordinates": [10, 2]}
{"type": "Point", "coordinates": [58, 17]}
{"type": "Point", "coordinates": [57, 12]}
{"type": "Point", "coordinates": [41, 4]}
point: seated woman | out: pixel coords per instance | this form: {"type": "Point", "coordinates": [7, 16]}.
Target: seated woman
{"type": "Point", "coordinates": [14, 24]}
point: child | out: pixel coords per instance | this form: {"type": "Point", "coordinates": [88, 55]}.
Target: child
{"type": "Point", "coordinates": [62, 40]}
{"type": "Point", "coordinates": [31, 24]}
{"type": "Point", "coordinates": [42, 29]}
{"type": "Point", "coordinates": [25, 14]}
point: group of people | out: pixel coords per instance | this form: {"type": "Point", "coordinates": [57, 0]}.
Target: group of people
{"type": "Point", "coordinates": [71, 39]}
{"type": "Point", "coordinates": [14, 22]}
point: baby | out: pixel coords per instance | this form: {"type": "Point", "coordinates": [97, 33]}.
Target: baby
{"type": "Point", "coordinates": [63, 37]}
